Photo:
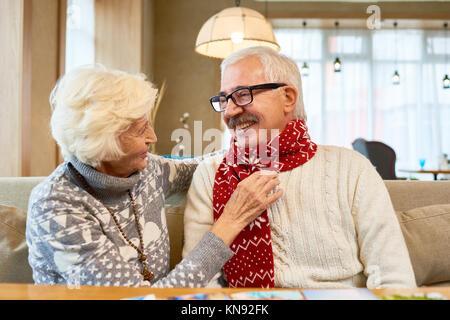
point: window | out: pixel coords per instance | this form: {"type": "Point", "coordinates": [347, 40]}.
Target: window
{"type": "Point", "coordinates": [361, 101]}
{"type": "Point", "coordinates": [80, 44]}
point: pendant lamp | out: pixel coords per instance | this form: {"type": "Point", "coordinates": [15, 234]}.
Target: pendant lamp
{"type": "Point", "coordinates": [337, 65]}
{"type": "Point", "coordinates": [396, 76]}
{"type": "Point", "coordinates": [233, 29]}
{"type": "Point", "coordinates": [446, 80]}
{"type": "Point", "coordinates": [305, 68]}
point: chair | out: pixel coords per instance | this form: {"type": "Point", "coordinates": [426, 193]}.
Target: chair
{"type": "Point", "coordinates": [380, 154]}
{"type": "Point", "coordinates": [360, 146]}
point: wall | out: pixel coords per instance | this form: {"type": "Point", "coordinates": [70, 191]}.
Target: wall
{"type": "Point", "coordinates": [190, 78]}
{"type": "Point", "coordinates": [352, 10]}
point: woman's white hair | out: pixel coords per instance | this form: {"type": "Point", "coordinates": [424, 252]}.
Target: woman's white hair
{"type": "Point", "coordinates": [277, 68]}
{"type": "Point", "coordinates": [92, 106]}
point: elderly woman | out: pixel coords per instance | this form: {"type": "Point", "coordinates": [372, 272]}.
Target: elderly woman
{"type": "Point", "coordinates": [99, 218]}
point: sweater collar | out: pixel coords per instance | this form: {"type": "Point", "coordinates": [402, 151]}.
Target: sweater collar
{"type": "Point", "coordinates": [107, 188]}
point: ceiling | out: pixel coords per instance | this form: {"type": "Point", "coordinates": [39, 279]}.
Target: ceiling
{"type": "Point", "coordinates": [361, 1]}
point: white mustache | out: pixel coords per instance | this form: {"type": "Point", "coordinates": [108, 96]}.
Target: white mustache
{"type": "Point", "coordinates": [241, 119]}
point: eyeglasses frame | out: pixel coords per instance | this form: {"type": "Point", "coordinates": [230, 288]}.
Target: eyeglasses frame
{"type": "Point", "coordinates": [272, 85]}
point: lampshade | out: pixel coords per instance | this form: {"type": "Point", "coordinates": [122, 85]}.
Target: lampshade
{"type": "Point", "coordinates": [233, 29]}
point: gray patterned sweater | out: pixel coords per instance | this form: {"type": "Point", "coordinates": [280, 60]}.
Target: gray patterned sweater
{"type": "Point", "coordinates": [73, 239]}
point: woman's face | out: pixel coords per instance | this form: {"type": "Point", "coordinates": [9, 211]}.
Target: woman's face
{"type": "Point", "coordinates": [135, 143]}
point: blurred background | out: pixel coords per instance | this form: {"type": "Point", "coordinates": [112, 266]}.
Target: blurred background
{"type": "Point", "coordinates": [376, 74]}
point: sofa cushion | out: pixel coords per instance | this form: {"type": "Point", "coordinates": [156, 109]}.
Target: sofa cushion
{"type": "Point", "coordinates": [427, 235]}
{"type": "Point", "coordinates": [411, 194]}
{"type": "Point", "coordinates": [14, 265]}
{"type": "Point", "coordinates": [15, 191]}
{"type": "Point", "coordinates": [174, 217]}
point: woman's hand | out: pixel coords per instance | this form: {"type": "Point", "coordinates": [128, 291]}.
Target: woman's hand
{"type": "Point", "coordinates": [250, 199]}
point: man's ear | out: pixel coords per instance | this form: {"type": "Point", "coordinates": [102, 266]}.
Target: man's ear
{"type": "Point", "coordinates": [290, 98]}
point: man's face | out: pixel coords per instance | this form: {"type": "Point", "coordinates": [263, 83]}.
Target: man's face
{"type": "Point", "coordinates": [267, 115]}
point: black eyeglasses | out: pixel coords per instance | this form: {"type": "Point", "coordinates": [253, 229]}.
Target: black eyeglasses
{"type": "Point", "coordinates": [241, 96]}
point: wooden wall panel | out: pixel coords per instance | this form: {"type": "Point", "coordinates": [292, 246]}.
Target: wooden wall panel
{"type": "Point", "coordinates": [29, 64]}
{"type": "Point", "coordinates": [118, 34]}
{"type": "Point", "coordinates": [44, 71]}
{"type": "Point", "coordinates": [11, 39]}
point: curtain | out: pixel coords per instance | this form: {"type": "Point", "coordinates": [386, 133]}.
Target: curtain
{"type": "Point", "coordinates": [412, 117]}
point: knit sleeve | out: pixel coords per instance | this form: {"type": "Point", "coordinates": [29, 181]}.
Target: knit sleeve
{"type": "Point", "coordinates": [200, 265]}
{"type": "Point", "coordinates": [68, 246]}
{"type": "Point", "coordinates": [198, 214]}
{"type": "Point", "coordinates": [383, 250]}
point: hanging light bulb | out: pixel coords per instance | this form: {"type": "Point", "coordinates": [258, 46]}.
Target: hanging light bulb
{"type": "Point", "coordinates": [305, 70]}
{"type": "Point", "coordinates": [446, 82]}
{"type": "Point", "coordinates": [337, 65]}
{"type": "Point", "coordinates": [396, 78]}
{"type": "Point", "coordinates": [337, 62]}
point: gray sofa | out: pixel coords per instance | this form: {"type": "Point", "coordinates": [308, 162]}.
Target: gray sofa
{"type": "Point", "coordinates": [422, 208]}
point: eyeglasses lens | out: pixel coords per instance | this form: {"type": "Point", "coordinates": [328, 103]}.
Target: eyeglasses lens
{"type": "Point", "coordinates": [242, 97]}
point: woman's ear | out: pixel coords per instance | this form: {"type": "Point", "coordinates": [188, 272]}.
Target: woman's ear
{"type": "Point", "coordinates": [290, 98]}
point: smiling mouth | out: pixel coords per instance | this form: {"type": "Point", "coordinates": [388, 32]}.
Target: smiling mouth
{"type": "Point", "coordinates": [244, 125]}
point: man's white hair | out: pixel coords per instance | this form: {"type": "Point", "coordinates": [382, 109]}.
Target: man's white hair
{"type": "Point", "coordinates": [92, 106]}
{"type": "Point", "coordinates": [277, 68]}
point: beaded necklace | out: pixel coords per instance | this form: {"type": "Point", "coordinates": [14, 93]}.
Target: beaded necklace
{"type": "Point", "coordinates": [142, 256]}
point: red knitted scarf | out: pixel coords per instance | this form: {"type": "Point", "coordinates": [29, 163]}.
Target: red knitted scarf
{"type": "Point", "coordinates": [252, 263]}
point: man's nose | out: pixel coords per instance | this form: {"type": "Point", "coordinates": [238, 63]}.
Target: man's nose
{"type": "Point", "coordinates": [232, 109]}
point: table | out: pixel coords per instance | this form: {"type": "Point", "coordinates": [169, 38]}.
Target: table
{"type": "Point", "coordinates": [9, 291]}
{"type": "Point", "coordinates": [434, 172]}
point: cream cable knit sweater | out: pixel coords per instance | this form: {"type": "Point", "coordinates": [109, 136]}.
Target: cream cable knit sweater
{"type": "Point", "coordinates": [334, 226]}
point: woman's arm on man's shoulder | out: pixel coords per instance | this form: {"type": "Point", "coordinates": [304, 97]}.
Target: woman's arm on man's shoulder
{"type": "Point", "coordinates": [176, 172]}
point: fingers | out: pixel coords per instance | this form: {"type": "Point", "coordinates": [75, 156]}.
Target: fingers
{"type": "Point", "coordinates": [274, 197]}
{"type": "Point", "coordinates": [257, 187]}
{"type": "Point", "coordinates": [270, 185]}
{"type": "Point", "coordinates": [259, 178]}
{"type": "Point", "coordinates": [267, 173]}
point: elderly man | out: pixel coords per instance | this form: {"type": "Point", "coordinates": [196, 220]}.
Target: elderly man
{"type": "Point", "coordinates": [334, 226]}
